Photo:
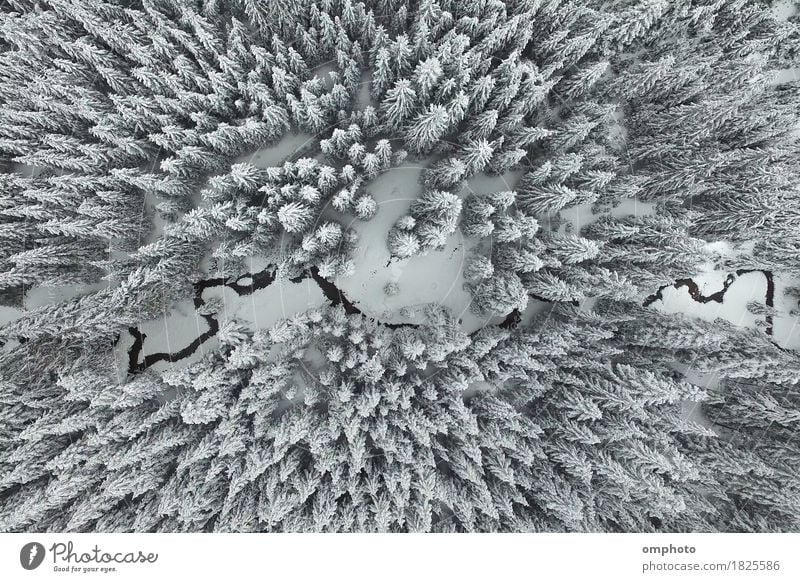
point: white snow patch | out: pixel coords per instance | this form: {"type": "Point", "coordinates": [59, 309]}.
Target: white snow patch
{"type": "Point", "coordinates": [157, 221]}
{"type": "Point", "coordinates": [533, 309]}
{"type": "Point", "coordinates": [475, 388]}
{"type": "Point", "coordinates": [29, 171]}
{"type": "Point", "coordinates": [257, 263]}
{"type": "Point", "coordinates": [263, 308]}
{"type": "Point", "coordinates": [435, 277]}
{"type": "Point", "coordinates": [582, 215]}
{"type": "Point", "coordinates": [785, 325]}
{"type": "Point", "coordinates": [121, 357]}
{"type": "Point", "coordinates": [9, 314]}
{"type": "Point", "coordinates": [617, 131]}
{"type": "Point", "coordinates": [577, 217]}
{"type": "Point", "coordinates": [723, 252]}
{"type": "Point", "coordinates": [784, 9]}
{"type": "Point", "coordinates": [314, 360]}
{"type": "Point", "coordinates": [277, 153]}
{"type": "Point", "coordinates": [706, 380]}
{"type": "Point", "coordinates": [485, 184]}
{"type": "Point", "coordinates": [323, 72]}
{"type": "Point", "coordinates": [40, 296]}
{"type": "Point", "coordinates": [783, 76]}
{"type": "Point", "coordinates": [746, 288]}
{"type": "Point", "coordinates": [749, 287]}
{"type": "Point", "coordinates": [693, 412]}
{"type": "Point", "coordinates": [633, 207]}
{"type": "Point", "coordinates": [722, 248]}
{"type": "Point", "coordinates": [171, 333]}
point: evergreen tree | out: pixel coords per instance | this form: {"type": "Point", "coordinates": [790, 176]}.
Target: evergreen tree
{"type": "Point", "coordinates": [427, 128]}
{"type": "Point", "coordinates": [499, 294]}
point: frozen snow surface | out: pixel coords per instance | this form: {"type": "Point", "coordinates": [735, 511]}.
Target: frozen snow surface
{"type": "Point", "coordinates": [435, 277]}
{"type": "Point", "coordinates": [582, 215]}
{"type": "Point", "coordinates": [276, 154]}
{"type": "Point", "coordinates": [786, 328]}
{"type": "Point", "coordinates": [783, 9]}
{"type": "Point", "coordinates": [9, 314]}
{"type": "Point", "coordinates": [263, 308]}
{"type": "Point", "coordinates": [746, 288]}
{"type": "Point", "coordinates": [40, 296]}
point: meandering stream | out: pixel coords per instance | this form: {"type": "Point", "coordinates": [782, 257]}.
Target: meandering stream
{"type": "Point", "coordinates": [248, 283]}
{"type": "Point", "coordinates": [718, 296]}
{"type": "Point", "coordinates": [258, 280]}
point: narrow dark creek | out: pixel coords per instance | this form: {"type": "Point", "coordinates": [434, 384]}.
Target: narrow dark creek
{"type": "Point", "coordinates": [335, 296]}
{"type": "Point", "coordinates": [259, 280]}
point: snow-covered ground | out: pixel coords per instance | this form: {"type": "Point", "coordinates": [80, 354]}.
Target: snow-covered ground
{"type": "Point", "coordinates": [434, 277]}
{"type": "Point", "coordinates": [785, 326]}
{"type": "Point", "coordinates": [363, 96]}
{"type": "Point", "coordinates": [323, 72]}
{"type": "Point", "coordinates": [693, 412]}
{"type": "Point", "coordinates": [277, 153]}
{"type": "Point", "coordinates": [786, 76]}
{"type": "Point", "coordinates": [40, 296]}
{"type": "Point", "coordinates": [33, 171]}
{"type": "Point", "coordinates": [484, 183]}
{"type": "Point", "coordinates": [581, 215]}
{"type": "Point", "coordinates": [263, 308]}
{"type": "Point", "coordinates": [746, 288]}
{"type": "Point", "coordinates": [9, 314]}
{"type": "Point", "coordinates": [157, 220]}
{"type": "Point", "coordinates": [783, 9]}
{"type": "Point", "coordinates": [172, 332]}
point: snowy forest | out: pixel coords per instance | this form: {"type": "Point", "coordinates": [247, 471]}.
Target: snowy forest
{"type": "Point", "coordinates": [399, 266]}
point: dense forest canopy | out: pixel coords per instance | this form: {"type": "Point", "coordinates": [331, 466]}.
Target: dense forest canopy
{"type": "Point", "coordinates": [130, 134]}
